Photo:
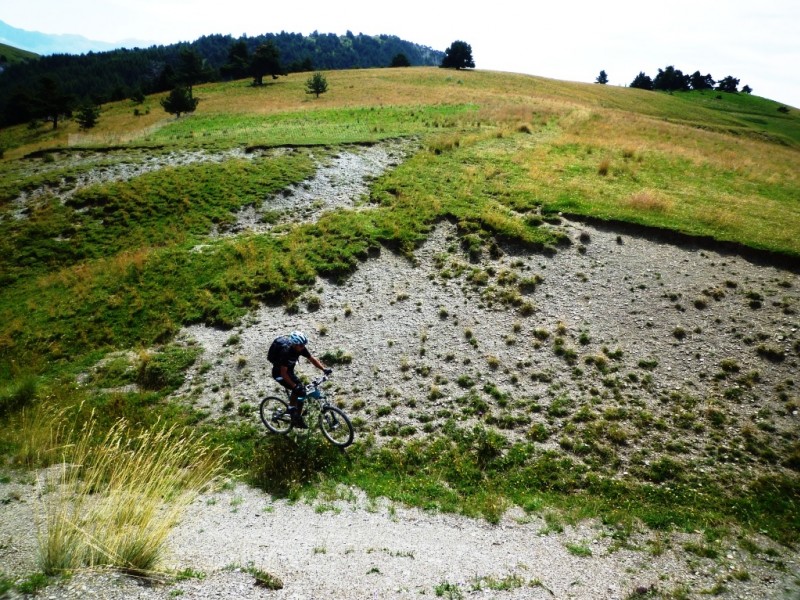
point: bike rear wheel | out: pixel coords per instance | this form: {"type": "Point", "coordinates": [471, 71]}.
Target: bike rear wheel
{"type": "Point", "coordinates": [336, 426]}
{"type": "Point", "coordinates": [275, 415]}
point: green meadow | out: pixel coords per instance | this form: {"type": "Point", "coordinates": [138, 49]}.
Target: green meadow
{"type": "Point", "coordinates": [115, 265]}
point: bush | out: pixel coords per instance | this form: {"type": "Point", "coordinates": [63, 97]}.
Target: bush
{"type": "Point", "coordinates": [538, 433]}
{"type": "Point", "coordinates": [165, 370]}
{"type": "Point", "coordinates": [18, 396]}
{"type": "Point", "coordinates": [771, 353]}
{"type": "Point", "coordinates": [336, 357]}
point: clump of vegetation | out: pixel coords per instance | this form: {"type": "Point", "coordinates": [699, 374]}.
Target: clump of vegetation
{"type": "Point", "coordinates": [771, 352]}
{"type": "Point", "coordinates": [264, 579]}
{"type": "Point", "coordinates": [111, 509]}
{"type": "Point", "coordinates": [336, 357]}
{"type": "Point", "coordinates": [18, 395]}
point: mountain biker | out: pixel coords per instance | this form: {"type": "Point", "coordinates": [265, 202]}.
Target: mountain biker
{"type": "Point", "coordinates": [284, 352]}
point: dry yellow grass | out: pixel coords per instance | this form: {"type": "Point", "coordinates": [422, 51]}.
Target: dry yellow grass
{"type": "Point", "coordinates": [650, 201]}
{"type": "Point", "coordinates": [113, 499]}
{"type": "Point", "coordinates": [622, 131]}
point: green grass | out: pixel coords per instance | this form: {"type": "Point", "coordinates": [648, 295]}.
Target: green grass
{"type": "Point", "coordinates": [463, 472]}
{"type": "Point", "coordinates": [310, 128]}
{"type": "Point", "coordinates": [167, 207]}
{"type": "Point", "coordinates": [14, 55]}
{"type": "Point", "coordinates": [742, 114]}
{"type": "Point", "coordinates": [474, 472]}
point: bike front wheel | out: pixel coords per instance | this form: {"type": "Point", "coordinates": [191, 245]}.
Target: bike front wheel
{"type": "Point", "coordinates": [275, 415]}
{"type": "Point", "coordinates": [336, 426]}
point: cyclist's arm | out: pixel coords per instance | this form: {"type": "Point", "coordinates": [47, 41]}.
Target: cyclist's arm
{"type": "Point", "coordinates": [313, 360]}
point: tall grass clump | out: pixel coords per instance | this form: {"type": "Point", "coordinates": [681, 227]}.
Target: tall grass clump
{"type": "Point", "coordinates": [646, 201]}
{"type": "Point", "coordinates": [115, 496]}
{"type": "Point", "coordinates": [18, 395]}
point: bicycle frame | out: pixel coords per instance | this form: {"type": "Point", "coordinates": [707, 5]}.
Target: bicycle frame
{"type": "Point", "coordinates": [314, 392]}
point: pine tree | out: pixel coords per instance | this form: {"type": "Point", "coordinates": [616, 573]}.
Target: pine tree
{"type": "Point", "coordinates": [266, 61]}
{"type": "Point", "coordinates": [400, 60]}
{"type": "Point", "coordinates": [87, 116]}
{"type": "Point", "coordinates": [728, 84]}
{"type": "Point", "coordinates": [51, 103]}
{"type": "Point", "coordinates": [179, 101]}
{"type": "Point", "coordinates": [642, 82]}
{"type": "Point", "coordinates": [316, 84]}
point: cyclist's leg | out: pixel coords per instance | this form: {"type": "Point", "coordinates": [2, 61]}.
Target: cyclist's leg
{"type": "Point", "coordinates": [292, 384]}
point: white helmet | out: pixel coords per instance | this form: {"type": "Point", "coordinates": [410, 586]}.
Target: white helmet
{"type": "Point", "coordinates": [298, 337]}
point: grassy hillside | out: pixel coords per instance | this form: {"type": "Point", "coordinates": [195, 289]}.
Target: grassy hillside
{"type": "Point", "coordinates": [716, 165]}
{"type": "Point", "coordinates": [15, 55]}
{"type": "Point", "coordinates": [113, 264]}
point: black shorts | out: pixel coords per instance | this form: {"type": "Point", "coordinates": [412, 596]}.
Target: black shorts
{"type": "Point", "coordinates": [276, 375]}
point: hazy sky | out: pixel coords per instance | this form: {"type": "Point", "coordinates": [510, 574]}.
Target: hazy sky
{"type": "Point", "coordinates": [756, 41]}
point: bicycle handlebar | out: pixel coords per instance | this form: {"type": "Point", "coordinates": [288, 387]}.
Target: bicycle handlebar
{"type": "Point", "coordinates": [315, 383]}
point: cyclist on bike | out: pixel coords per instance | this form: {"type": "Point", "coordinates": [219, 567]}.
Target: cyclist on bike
{"type": "Point", "coordinates": [284, 353]}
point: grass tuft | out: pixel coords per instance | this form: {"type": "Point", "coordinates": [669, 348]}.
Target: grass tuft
{"type": "Point", "coordinates": [648, 201]}
{"type": "Point", "coordinates": [113, 498]}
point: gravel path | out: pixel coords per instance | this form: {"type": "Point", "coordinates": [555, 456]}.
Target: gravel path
{"type": "Point", "coordinates": [415, 327]}
{"type": "Point", "coordinates": [355, 548]}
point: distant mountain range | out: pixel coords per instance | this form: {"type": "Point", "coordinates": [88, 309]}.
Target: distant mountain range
{"type": "Point", "coordinates": [46, 43]}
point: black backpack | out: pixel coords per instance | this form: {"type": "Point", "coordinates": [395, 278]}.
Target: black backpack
{"type": "Point", "coordinates": [274, 352]}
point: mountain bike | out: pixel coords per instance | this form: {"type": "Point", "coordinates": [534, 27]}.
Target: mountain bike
{"type": "Point", "coordinates": [333, 422]}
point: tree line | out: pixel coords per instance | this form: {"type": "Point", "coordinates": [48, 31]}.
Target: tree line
{"type": "Point", "coordinates": [671, 79]}
{"type": "Point", "coordinates": [44, 87]}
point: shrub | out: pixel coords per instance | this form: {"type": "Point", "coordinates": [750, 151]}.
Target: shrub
{"type": "Point", "coordinates": [541, 334]}
{"type": "Point", "coordinates": [648, 363]}
{"type": "Point", "coordinates": [17, 396]}
{"type": "Point", "coordinates": [165, 370]}
{"type": "Point", "coordinates": [265, 579]}
{"type": "Point", "coordinates": [664, 469]}
{"type": "Point", "coordinates": [336, 357]}
{"type": "Point", "coordinates": [465, 381]}
{"type": "Point", "coordinates": [435, 393]}
{"type": "Point", "coordinates": [538, 432]}
{"type": "Point", "coordinates": [313, 302]}
{"type": "Point", "coordinates": [771, 353]}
